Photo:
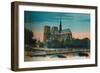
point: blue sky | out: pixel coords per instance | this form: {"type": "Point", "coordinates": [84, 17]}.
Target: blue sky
{"type": "Point", "coordinates": [77, 22]}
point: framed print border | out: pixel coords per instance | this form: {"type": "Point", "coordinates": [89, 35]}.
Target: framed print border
{"type": "Point", "coordinates": [15, 33]}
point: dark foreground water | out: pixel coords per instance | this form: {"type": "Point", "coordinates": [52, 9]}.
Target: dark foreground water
{"type": "Point", "coordinates": [69, 56]}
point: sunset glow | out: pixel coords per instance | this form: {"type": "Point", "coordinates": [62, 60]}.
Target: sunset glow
{"type": "Point", "coordinates": [79, 23]}
{"type": "Point", "coordinates": [77, 35]}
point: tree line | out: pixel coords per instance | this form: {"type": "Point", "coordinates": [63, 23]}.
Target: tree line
{"type": "Point", "coordinates": [56, 43]}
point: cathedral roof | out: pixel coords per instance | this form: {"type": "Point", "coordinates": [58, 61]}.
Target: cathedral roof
{"type": "Point", "coordinates": [66, 30]}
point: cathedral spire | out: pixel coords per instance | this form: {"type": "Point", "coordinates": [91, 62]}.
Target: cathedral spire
{"type": "Point", "coordinates": [60, 26]}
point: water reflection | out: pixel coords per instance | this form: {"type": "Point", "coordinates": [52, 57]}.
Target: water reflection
{"type": "Point", "coordinates": [57, 56]}
{"type": "Point", "coordinates": [70, 56]}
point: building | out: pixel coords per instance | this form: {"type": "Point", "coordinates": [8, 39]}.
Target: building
{"type": "Point", "coordinates": [47, 33]}
{"type": "Point", "coordinates": [54, 30]}
{"type": "Point", "coordinates": [53, 33]}
{"type": "Point", "coordinates": [60, 27]}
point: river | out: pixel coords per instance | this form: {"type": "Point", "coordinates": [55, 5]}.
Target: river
{"type": "Point", "coordinates": [68, 56]}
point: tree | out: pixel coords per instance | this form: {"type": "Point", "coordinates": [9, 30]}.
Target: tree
{"type": "Point", "coordinates": [67, 43]}
{"type": "Point", "coordinates": [40, 44]}
{"type": "Point", "coordinates": [86, 43]}
{"type": "Point", "coordinates": [28, 37]}
{"type": "Point", "coordinates": [81, 43]}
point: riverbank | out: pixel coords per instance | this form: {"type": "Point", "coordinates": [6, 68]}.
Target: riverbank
{"type": "Point", "coordinates": [70, 56]}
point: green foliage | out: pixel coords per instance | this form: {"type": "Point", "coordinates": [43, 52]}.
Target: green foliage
{"type": "Point", "coordinates": [67, 43]}
{"type": "Point", "coordinates": [28, 35]}
{"type": "Point", "coordinates": [54, 44]}
{"type": "Point", "coordinates": [81, 43]}
{"type": "Point", "coordinates": [40, 44]}
{"type": "Point", "coordinates": [74, 43]}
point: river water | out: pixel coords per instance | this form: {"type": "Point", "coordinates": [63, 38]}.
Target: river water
{"type": "Point", "coordinates": [71, 56]}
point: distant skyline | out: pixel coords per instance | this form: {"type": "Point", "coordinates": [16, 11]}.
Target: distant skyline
{"type": "Point", "coordinates": [79, 23]}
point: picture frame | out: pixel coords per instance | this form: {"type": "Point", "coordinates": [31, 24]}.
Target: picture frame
{"type": "Point", "coordinates": [50, 20]}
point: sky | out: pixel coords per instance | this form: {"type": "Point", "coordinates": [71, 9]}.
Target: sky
{"type": "Point", "coordinates": [79, 23]}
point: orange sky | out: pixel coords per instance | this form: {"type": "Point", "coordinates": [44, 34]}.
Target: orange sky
{"type": "Point", "coordinates": [79, 35]}
{"type": "Point", "coordinates": [38, 35]}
